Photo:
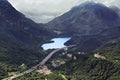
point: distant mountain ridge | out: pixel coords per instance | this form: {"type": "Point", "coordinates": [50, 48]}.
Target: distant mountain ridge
{"type": "Point", "coordinates": [87, 18]}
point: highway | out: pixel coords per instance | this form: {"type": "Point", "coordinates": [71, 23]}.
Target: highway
{"type": "Point", "coordinates": [38, 65]}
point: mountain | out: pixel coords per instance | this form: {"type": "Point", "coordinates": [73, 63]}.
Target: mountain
{"type": "Point", "coordinates": [88, 18]}
{"type": "Point", "coordinates": [89, 43]}
{"type": "Point", "coordinates": [20, 40]}
{"type": "Point", "coordinates": [91, 25]}
{"type": "Point", "coordinates": [16, 27]}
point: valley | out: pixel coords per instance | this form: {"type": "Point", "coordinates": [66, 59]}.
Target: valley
{"type": "Point", "coordinates": [81, 44]}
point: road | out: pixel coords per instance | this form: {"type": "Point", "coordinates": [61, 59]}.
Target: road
{"type": "Point", "coordinates": [38, 65]}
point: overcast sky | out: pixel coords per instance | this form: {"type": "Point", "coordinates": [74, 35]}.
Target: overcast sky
{"type": "Point", "coordinates": [43, 11]}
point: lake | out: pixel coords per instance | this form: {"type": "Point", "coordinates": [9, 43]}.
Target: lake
{"type": "Point", "coordinates": [58, 43]}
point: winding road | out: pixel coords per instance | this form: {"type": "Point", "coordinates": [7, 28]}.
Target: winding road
{"type": "Point", "coordinates": [38, 65]}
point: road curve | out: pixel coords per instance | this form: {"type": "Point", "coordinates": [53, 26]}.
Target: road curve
{"type": "Point", "coordinates": [36, 66]}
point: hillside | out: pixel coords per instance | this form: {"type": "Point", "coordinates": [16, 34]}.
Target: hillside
{"type": "Point", "coordinates": [20, 40]}
{"type": "Point", "coordinates": [88, 18]}
{"type": "Point", "coordinates": [91, 42]}
{"type": "Point", "coordinates": [87, 67]}
{"type": "Point", "coordinates": [18, 28]}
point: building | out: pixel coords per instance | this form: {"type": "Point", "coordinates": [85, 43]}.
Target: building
{"type": "Point", "coordinates": [69, 55]}
{"type": "Point", "coordinates": [57, 63]}
{"type": "Point", "coordinates": [44, 70]}
{"type": "Point", "coordinates": [97, 55]}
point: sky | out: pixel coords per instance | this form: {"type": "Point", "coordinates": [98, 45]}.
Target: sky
{"type": "Point", "coordinates": [43, 11]}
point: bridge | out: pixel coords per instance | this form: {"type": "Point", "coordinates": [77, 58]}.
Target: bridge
{"type": "Point", "coordinates": [38, 65]}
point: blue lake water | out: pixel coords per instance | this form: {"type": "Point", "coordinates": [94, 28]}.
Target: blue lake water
{"type": "Point", "coordinates": [58, 43]}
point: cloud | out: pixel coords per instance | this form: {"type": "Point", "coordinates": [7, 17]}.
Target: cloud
{"type": "Point", "coordinates": [43, 11]}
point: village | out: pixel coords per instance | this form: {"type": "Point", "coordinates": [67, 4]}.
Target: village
{"type": "Point", "coordinates": [56, 63]}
